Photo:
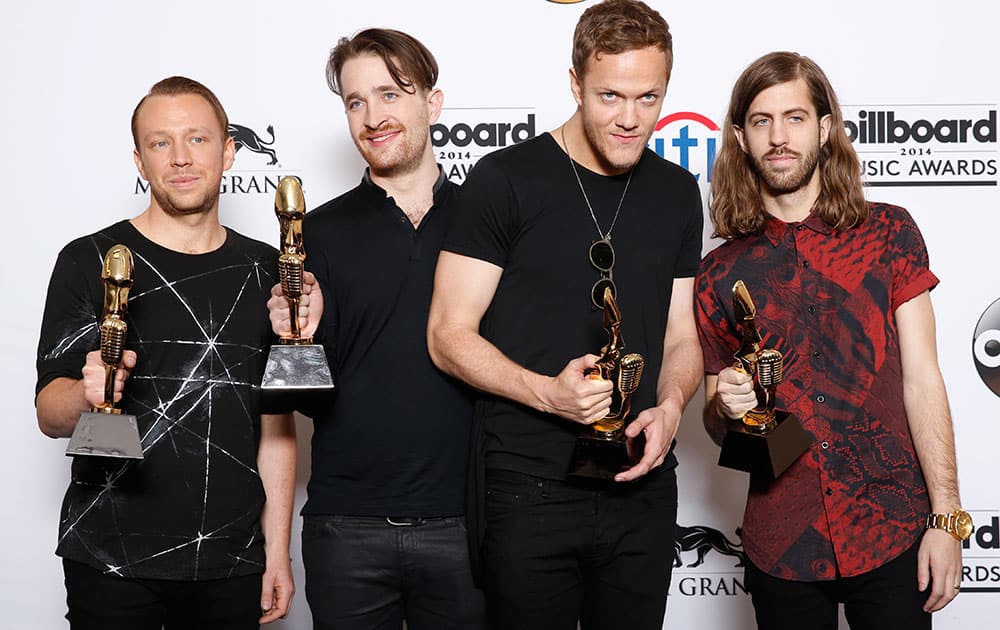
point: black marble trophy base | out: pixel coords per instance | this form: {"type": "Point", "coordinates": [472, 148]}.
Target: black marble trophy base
{"type": "Point", "coordinates": [766, 454]}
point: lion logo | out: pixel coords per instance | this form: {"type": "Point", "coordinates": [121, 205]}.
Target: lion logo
{"type": "Point", "coordinates": [247, 137]}
{"type": "Point", "coordinates": [702, 539]}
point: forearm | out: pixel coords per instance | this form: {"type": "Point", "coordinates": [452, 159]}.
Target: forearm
{"type": "Point", "coordinates": [276, 463]}
{"type": "Point", "coordinates": [59, 405]}
{"type": "Point", "coordinates": [467, 356]}
{"type": "Point", "coordinates": [715, 423]}
{"type": "Point", "coordinates": [930, 424]}
{"type": "Point", "coordinates": [680, 373]}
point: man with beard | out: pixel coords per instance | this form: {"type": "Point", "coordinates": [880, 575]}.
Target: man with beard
{"type": "Point", "coordinates": [517, 307]}
{"type": "Point", "coordinates": [383, 536]}
{"type": "Point", "coordinates": [841, 288]}
{"type": "Point", "coordinates": [195, 534]}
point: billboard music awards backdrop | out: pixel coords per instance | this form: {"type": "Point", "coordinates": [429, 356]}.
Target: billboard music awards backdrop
{"type": "Point", "coordinates": [919, 85]}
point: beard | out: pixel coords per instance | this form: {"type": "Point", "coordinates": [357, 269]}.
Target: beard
{"type": "Point", "coordinates": [619, 161]}
{"type": "Point", "coordinates": [175, 206]}
{"type": "Point", "coordinates": [784, 182]}
{"type": "Point", "coordinates": [403, 157]}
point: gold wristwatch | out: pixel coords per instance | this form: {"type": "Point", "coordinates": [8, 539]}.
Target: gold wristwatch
{"type": "Point", "coordinates": [957, 523]}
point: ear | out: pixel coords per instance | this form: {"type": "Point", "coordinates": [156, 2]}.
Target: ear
{"type": "Point", "coordinates": [138, 163]}
{"type": "Point", "coordinates": [228, 153]}
{"type": "Point", "coordinates": [825, 123]}
{"type": "Point", "coordinates": [738, 132]}
{"type": "Point", "coordinates": [574, 85]}
{"type": "Point", "coordinates": [435, 101]}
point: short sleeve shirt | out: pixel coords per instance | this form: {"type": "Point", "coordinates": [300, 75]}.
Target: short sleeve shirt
{"type": "Point", "coordinates": [826, 300]}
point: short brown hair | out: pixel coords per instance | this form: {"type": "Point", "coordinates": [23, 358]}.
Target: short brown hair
{"type": "Point", "coordinates": [176, 86]}
{"type": "Point", "coordinates": [617, 26]}
{"type": "Point", "coordinates": [737, 208]}
{"type": "Point", "coordinates": [408, 61]}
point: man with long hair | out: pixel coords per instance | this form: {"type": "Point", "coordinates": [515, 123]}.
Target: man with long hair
{"type": "Point", "coordinates": [194, 535]}
{"type": "Point", "coordinates": [867, 516]}
{"type": "Point", "coordinates": [383, 535]}
{"type": "Point", "coordinates": [517, 304]}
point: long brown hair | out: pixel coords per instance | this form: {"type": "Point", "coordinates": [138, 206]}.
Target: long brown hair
{"type": "Point", "coordinates": [737, 208]}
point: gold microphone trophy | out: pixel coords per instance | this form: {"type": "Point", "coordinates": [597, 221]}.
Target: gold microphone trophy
{"type": "Point", "coordinates": [604, 451]}
{"type": "Point", "coordinates": [296, 363]}
{"type": "Point", "coordinates": [104, 431]}
{"type": "Point", "coordinates": [766, 441]}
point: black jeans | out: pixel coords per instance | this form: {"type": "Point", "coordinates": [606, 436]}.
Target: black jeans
{"type": "Point", "coordinates": [365, 573]}
{"type": "Point", "coordinates": [99, 601]}
{"type": "Point", "coordinates": [559, 552]}
{"type": "Point", "coordinates": [883, 599]}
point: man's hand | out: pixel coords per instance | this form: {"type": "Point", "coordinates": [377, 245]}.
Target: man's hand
{"type": "Point", "coordinates": [310, 308]}
{"type": "Point", "coordinates": [660, 425]}
{"type": "Point", "coordinates": [93, 376]}
{"type": "Point", "coordinates": [735, 395]}
{"type": "Point", "coordinates": [277, 589]}
{"type": "Point", "coordinates": [576, 396]}
{"type": "Point", "coordinates": [939, 565]}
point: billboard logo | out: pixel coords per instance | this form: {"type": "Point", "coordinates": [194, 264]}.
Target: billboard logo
{"type": "Point", "coordinates": [986, 347]}
{"type": "Point", "coordinates": [688, 139]}
{"type": "Point", "coordinates": [463, 135]}
{"type": "Point", "coordinates": [925, 145]}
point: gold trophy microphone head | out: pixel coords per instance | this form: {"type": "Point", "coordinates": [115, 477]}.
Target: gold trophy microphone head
{"type": "Point", "coordinates": [770, 365]}
{"type": "Point", "coordinates": [289, 202]}
{"type": "Point", "coordinates": [117, 277]}
{"type": "Point", "coordinates": [631, 372]}
{"type": "Point", "coordinates": [742, 302]}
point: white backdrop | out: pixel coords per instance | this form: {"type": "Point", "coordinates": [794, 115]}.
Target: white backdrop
{"type": "Point", "coordinates": [73, 72]}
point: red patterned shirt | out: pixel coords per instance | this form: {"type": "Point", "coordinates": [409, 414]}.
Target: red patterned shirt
{"type": "Point", "coordinates": [825, 299]}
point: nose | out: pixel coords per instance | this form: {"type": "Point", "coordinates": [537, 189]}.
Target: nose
{"type": "Point", "coordinates": [628, 115]}
{"type": "Point", "coordinates": [180, 154]}
{"type": "Point", "coordinates": [779, 134]}
{"type": "Point", "coordinates": [374, 116]}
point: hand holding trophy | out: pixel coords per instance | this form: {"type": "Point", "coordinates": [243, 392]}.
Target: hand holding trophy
{"type": "Point", "coordinates": [297, 363]}
{"type": "Point", "coordinates": [104, 431]}
{"type": "Point", "coordinates": [767, 441]}
{"type": "Point", "coordinates": [604, 451]}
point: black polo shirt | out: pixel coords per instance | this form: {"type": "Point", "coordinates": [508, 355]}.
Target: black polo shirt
{"type": "Point", "coordinates": [393, 439]}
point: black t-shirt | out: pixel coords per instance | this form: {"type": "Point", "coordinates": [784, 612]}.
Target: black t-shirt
{"type": "Point", "coordinates": [522, 210]}
{"type": "Point", "coordinates": [393, 439]}
{"type": "Point", "coordinates": [190, 510]}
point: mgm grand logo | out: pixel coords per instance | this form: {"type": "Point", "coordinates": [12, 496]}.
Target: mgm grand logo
{"type": "Point", "coordinates": [725, 578]}
{"type": "Point", "coordinates": [244, 180]}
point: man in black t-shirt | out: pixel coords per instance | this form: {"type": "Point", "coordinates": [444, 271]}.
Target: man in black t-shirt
{"type": "Point", "coordinates": [514, 313]}
{"type": "Point", "coordinates": [194, 535]}
{"type": "Point", "coordinates": [383, 537]}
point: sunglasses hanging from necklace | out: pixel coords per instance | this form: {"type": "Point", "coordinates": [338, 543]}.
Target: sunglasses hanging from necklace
{"type": "Point", "coordinates": [602, 254]}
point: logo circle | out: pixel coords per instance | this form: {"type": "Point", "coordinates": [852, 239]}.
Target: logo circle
{"type": "Point", "coordinates": [986, 347]}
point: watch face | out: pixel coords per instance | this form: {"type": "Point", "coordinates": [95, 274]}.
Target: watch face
{"type": "Point", "coordinates": [963, 524]}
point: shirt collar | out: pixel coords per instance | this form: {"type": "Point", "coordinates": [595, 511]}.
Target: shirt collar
{"type": "Point", "coordinates": [775, 228]}
{"type": "Point", "coordinates": [372, 187]}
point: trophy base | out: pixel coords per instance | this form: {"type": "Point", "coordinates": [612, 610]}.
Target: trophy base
{"type": "Point", "coordinates": [596, 457]}
{"type": "Point", "coordinates": [297, 367]}
{"type": "Point", "coordinates": [766, 454]}
{"type": "Point", "coordinates": [105, 435]}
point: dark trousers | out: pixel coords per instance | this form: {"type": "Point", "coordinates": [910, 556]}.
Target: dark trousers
{"type": "Point", "coordinates": [364, 573]}
{"type": "Point", "coordinates": [100, 601]}
{"type": "Point", "coordinates": [883, 599]}
{"type": "Point", "coordinates": [558, 552]}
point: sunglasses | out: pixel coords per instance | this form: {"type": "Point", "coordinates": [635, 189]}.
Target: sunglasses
{"type": "Point", "coordinates": [602, 257]}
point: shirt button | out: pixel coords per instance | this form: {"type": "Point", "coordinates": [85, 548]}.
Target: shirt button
{"type": "Point", "coordinates": [816, 354]}
{"type": "Point", "coordinates": [829, 492]}
{"type": "Point", "coordinates": [825, 445]}
{"type": "Point", "coordinates": [821, 398]}
{"type": "Point", "coordinates": [805, 264]}
{"type": "Point", "coordinates": [811, 309]}
{"type": "Point", "coordinates": [799, 228]}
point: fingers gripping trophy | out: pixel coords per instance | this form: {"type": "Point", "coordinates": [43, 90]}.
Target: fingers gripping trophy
{"type": "Point", "coordinates": [296, 363]}
{"type": "Point", "coordinates": [604, 451]}
{"type": "Point", "coordinates": [766, 441]}
{"type": "Point", "coordinates": [104, 431]}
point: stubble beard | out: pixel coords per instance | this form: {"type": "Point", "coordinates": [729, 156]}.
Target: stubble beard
{"type": "Point", "coordinates": [778, 183]}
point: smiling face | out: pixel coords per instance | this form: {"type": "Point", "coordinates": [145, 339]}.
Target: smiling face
{"type": "Point", "coordinates": [183, 151]}
{"type": "Point", "coordinates": [782, 134]}
{"type": "Point", "coordinates": [619, 98]}
{"type": "Point", "coordinates": [390, 126]}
